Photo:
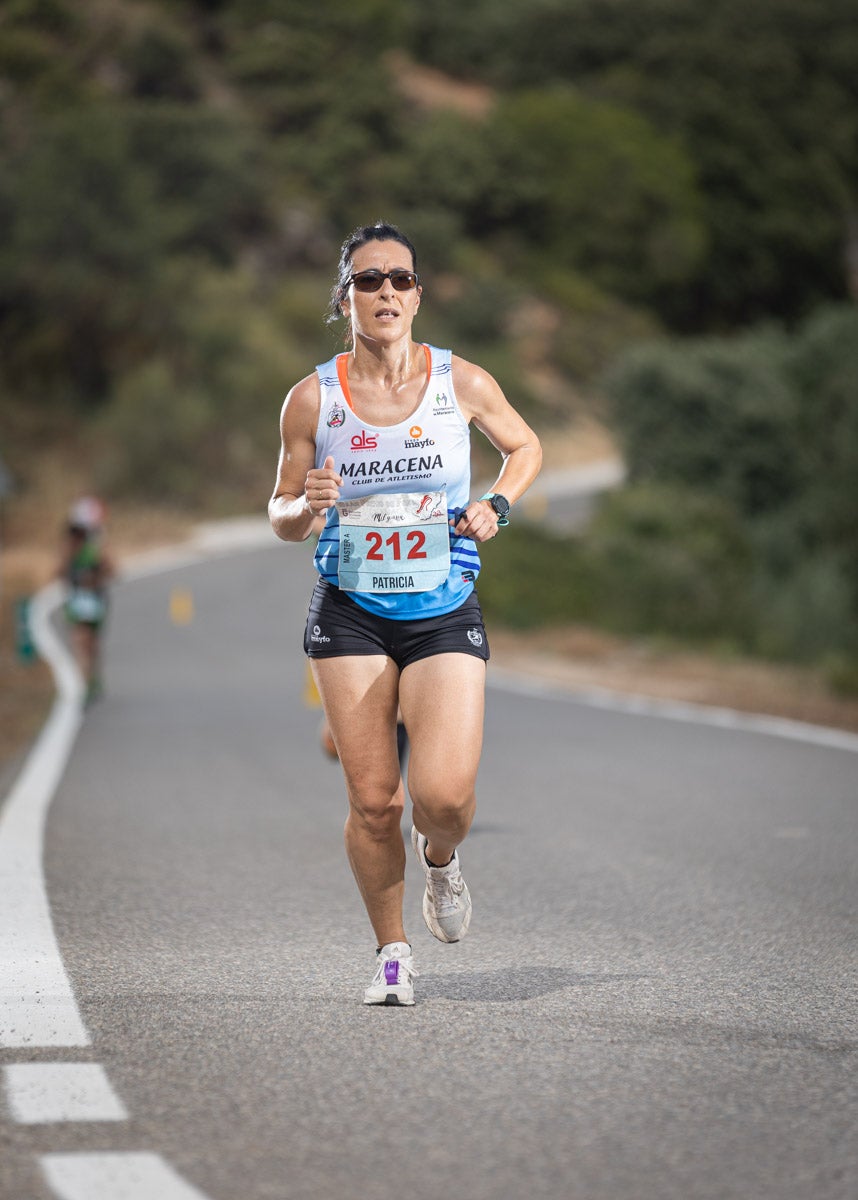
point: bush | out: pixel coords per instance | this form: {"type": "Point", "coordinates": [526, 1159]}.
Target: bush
{"type": "Point", "coordinates": [656, 560]}
{"type": "Point", "coordinates": [532, 578]}
{"type": "Point", "coordinates": [823, 363]}
{"type": "Point", "coordinates": [159, 63]}
{"type": "Point", "coordinates": [198, 424]}
{"type": "Point", "coordinates": [718, 416]}
{"type": "Point", "coordinates": [805, 614]}
{"type": "Point", "coordinates": [153, 433]}
{"type": "Point", "coordinates": [592, 187]}
{"type": "Point", "coordinates": [670, 560]}
{"type": "Point", "coordinates": [594, 326]}
{"type": "Point", "coordinates": [767, 425]}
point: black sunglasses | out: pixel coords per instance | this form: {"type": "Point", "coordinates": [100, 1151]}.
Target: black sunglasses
{"type": "Point", "coordinates": [371, 281]}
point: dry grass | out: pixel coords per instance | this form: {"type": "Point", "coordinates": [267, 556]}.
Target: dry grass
{"type": "Point", "coordinates": [429, 89]}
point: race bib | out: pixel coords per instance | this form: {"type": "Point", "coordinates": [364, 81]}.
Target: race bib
{"type": "Point", "coordinates": [394, 543]}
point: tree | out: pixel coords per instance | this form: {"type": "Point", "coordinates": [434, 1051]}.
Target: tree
{"type": "Point", "coordinates": [765, 100]}
{"type": "Point", "coordinates": [763, 97]}
{"type": "Point", "coordinates": [717, 415]}
{"type": "Point", "coordinates": [594, 188]}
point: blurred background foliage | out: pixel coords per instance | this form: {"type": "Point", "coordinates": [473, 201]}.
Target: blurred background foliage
{"type": "Point", "coordinates": [655, 205]}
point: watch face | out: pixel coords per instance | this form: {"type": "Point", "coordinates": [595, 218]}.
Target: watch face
{"type": "Point", "coordinates": [500, 504]}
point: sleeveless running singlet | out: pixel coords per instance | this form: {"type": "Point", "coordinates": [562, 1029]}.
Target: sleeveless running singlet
{"type": "Point", "coordinates": [387, 542]}
{"type": "Point", "coordinates": [87, 599]}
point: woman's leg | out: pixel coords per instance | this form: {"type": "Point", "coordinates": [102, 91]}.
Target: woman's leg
{"type": "Point", "coordinates": [86, 648]}
{"type": "Point", "coordinates": [359, 694]}
{"type": "Point", "coordinates": [443, 702]}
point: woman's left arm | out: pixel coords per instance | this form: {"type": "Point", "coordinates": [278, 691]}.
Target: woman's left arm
{"type": "Point", "coordinates": [482, 401]}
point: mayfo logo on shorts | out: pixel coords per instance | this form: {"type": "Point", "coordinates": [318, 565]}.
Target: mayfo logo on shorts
{"type": "Point", "coordinates": [475, 637]}
{"type": "Point", "coordinates": [318, 636]}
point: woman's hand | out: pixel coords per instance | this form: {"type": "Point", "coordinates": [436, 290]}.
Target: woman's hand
{"type": "Point", "coordinates": [478, 521]}
{"type": "Point", "coordinates": [322, 487]}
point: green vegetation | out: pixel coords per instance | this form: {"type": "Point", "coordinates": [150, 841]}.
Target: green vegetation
{"type": "Point", "coordinates": [670, 187]}
{"type": "Point", "coordinates": [762, 98]}
{"type": "Point", "coordinates": [739, 524]}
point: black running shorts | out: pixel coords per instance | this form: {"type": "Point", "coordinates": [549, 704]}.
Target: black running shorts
{"type": "Point", "coordinates": [336, 626]}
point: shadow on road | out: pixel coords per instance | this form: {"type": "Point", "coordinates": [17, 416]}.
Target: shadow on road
{"type": "Point", "coordinates": [525, 984]}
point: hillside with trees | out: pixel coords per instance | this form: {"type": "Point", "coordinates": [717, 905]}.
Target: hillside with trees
{"type": "Point", "coordinates": [667, 193]}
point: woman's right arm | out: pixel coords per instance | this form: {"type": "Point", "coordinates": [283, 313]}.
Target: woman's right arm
{"type": "Point", "coordinates": [303, 491]}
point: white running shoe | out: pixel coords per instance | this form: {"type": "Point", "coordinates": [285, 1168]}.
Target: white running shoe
{"type": "Point", "coordinates": [391, 983]}
{"type": "Point", "coordinates": [446, 901]}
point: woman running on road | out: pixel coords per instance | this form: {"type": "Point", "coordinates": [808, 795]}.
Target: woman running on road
{"type": "Point", "coordinates": [375, 458]}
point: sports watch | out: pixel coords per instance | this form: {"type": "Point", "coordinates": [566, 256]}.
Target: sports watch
{"type": "Point", "coordinates": [500, 504]}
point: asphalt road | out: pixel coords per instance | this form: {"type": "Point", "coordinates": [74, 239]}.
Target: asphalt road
{"type": "Point", "coordinates": [656, 1000]}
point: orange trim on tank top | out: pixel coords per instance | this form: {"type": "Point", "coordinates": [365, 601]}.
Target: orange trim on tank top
{"type": "Point", "coordinates": [343, 373]}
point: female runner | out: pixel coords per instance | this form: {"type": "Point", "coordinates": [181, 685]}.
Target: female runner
{"type": "Point", "coordinates": [375, 458]}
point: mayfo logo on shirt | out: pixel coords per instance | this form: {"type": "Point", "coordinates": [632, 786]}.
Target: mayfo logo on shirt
{"type": "Point", "coordinates": [415, 439]}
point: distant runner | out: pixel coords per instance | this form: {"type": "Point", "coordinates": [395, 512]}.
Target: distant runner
{"type": "Point", "coordinates": [86, 570]}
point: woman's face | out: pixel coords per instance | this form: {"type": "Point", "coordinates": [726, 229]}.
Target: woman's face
{"type": "Point", "coordinates": [386, 315]}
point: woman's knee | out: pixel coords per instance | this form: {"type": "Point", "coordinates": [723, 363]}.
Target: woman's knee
{"type": "Point", "coordinates": [378, 814]}
{"type": "Point", "coordinates": [451, 810]}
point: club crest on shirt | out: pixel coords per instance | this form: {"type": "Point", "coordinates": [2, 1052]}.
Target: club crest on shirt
{"type": "Point", "coordinates": [336, 416]}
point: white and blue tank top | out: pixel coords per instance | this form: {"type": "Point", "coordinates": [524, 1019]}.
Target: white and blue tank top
{"type": "Point", "coordinates": [388, 542]}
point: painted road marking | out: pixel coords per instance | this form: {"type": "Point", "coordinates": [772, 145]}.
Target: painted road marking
{"type": "Point", "coordinates": [37, 1005]}
{"type": "Point", "coordinates": [674, 710]}
{"type": "Point", "coordinates": [40, 1093]}
{"type": "Point", "coordinates": [115, 1177]}
{"type": "Point", "coordinates": [181, 606]}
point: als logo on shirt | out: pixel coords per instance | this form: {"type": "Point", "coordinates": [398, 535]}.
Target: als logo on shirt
{"type": "Point", "coordinates": [364, 441]}
{"type": "Point", "coordinates": [336, 416]}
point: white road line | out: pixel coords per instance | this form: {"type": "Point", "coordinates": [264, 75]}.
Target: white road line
{"type": "Point", "coordinates": [115, 1177]}
{"type": "Point", "coordinates": [37, 1006]}
{"type": "Point", "coordinates": [40, 1093]}
{"type": "Point", "coordinates": [674, 710]}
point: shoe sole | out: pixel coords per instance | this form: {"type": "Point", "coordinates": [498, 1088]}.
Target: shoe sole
{"type": "Point", "coordinates": [436, 930]}
{"type": "Point", "coordinates": [428, 911]}
{"type": "Point", "coordinates": [391, 1000]}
